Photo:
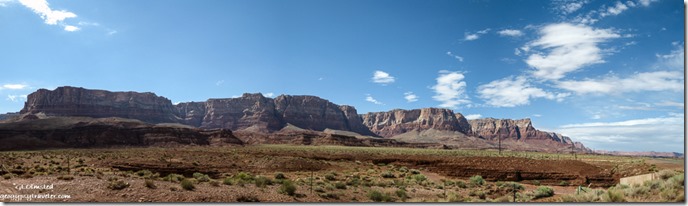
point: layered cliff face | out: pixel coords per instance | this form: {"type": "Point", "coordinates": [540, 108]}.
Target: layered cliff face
{"type": "Point", "coordinates": [73, 101]}
{"type": "Point", "coordinates": [395, 122]}
{"type": "Point", "coordinates": [250, 111]}
{"type": "Point", "coordinates": [520, 130]}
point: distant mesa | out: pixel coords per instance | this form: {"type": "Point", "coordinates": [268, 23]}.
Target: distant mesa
{"type": "Point", "coordinates": [255, 116]}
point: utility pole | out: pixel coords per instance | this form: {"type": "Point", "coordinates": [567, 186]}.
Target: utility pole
{"type": "Point", "coordinates": [311, 181]}
{"type": "Point", "coordinates": [572, 152]}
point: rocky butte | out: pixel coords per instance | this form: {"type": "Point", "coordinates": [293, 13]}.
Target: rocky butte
{"type": "Point", "coordinates": [255, 113]}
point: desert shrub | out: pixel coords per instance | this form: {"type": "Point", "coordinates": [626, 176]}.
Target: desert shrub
{"type": "Point", "coordinates": [144, 173]}
{"type": "Point", "coordinates": [403, 169]}
{"type": "Point", "coordinates": [280, 176]}
{"type": "Point", "coordinates": [173, 177]}
{"type": "Point", "coordinates": [201, 177]}
{"type": "Point", "coordinates": [454, 197]}
{"type": "Point", "coordinates": [544, 191]}
{"type": "Point", "coordinates": [262, 181]}
{"type": "Point", "coordinates": [666, 174]}
{"type": "Point", "coordinates": [287, 188]}
{"type": "Point", "coordinates": [65, 177]}
{"type": "Point", "coordinates": [653, 184]}
{"type": "Point", "coordinates": [377, 196]}
{"type": "Point", "coordinates": [340, 185]}
{"type": "Point", "coordinates": [613, 196]}
{"type": "Point", "coordinates": [387, 174]}
{"type": "Point", "coordinates": [676, 181]}
{"type": "Point", "coordinates": [419, 177]}
{"type": "Point", "coordinates": [329, 195]}
{"type": "Point", "coordinates": [244, 176]}
{"type": "Point", "coordinates": [187, 184]}
{"type": "Point", "coordinates": [118, 185]}
{"type": "Point", "coordinates": [563, 183]}
{"type": "Point", "coordinates": [330, 177]}
{"type": "Point", "coordinates": [319, 189]}
{"type": "Point", "coordinates": [669, 194]}
{"type": "Point", "coordinates": [461, 184]}
{"type": "Point", "coordinates": [477, 180]}
{"type": "Point", "coordinates": [228, 181]}
{"type": "Point", "coordinates": [477, 193]}
{"type": "Point", "coordinates": [247, 198]}
{"type": "Point", "coordinates": [637, 191]}
{"type": "Point", "coordinates": [150, 184]}
{"type": "Point", "coordinates": [8, 176]}
{"type": "Point", "coordinates": [401, 194]}
{"type": "Point", "coordinates": [214, 183]}
{"type": "Point", "coordinates": [415, 171]}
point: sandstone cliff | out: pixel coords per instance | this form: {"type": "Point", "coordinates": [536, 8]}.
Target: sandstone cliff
{"type": "Point", "coordinates": [395, 122]}
{"type": "Point", "coordinates": [73, 101]}
{"type": "Point", "coordinates": [251, 111]}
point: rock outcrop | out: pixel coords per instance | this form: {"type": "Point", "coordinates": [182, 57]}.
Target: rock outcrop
{"type": "Point", "coordinates": [395, 122]}
{"type": "Point", "coordinates": [73, 101]}
{"type": "Point", "coordinates": [520, 130]}
{"type": "Point", "coordinates": [75, 132]}
{"type": "Point", "coordinates": [251, 111]}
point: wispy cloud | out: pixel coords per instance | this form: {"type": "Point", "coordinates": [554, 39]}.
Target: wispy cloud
{"type": "Point", "coordinates": [373, 100]}
{"type": "Point", "coordinates": [220, 82]}
{"type": "Point", "coordinates": [511, 32]}
{"type": "Point", "coordinates": [664, 133]}
{"type": "Point", "coordinates": [50, 16]}
{"type": "Point", "coordinates": [639, 82]}
{"type": "Point", "coordinates": [674, 60]}
{"type": "Point", "coordinates": [13, 86]}
{"type": "Point", "coordinates": [671, 104]}
{"type": "Point", "coordinates": [450, 89]}
{"type": "Point", "coordinates": [616, 8]}
{"type": "Point", "coordinates": [410, 97]}
{"type": "Point", "coordinates": [568, 7]}
{"type": "Point", "coordinates": [270, 94]}
{"type": "Point", "coordinates": [511, 92]}
{"type": "Point", "coordinates": [473, 116]}
{"type": "Point", "coordinates": [382, 77]}
{"type": "Point", "coordinates": [457, 57]}
{"type": "Point", "coordinates": [476, 35]}
{"type": "Point", "coordinates": [570, 47]}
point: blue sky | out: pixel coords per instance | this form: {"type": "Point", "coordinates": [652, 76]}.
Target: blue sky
{"type": "Point", "coordinates": [607, 73]}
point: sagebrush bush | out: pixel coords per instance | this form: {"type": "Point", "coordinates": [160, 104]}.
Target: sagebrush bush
{"type": "Point", "coordinates": [666, 174]}
{"type": "Point", "coordinates": [477, 180]}
{"type": "Point", "coordinates": [118, 185]}
{"type": "Point", "coordinates": [201, 177]}
{"type": "Point", "coordinates": [262, 181]}
{"type": "Point", "coordinates": [287, 188]}
{"type": "Point", "coordinates": [377, 196]}
{"type": "Point", "coordinates": [387, 174]}
{"type": "Point", "coordinates": [150, 184]}
{"type": "Point", "coordinates": [280, 176]}
{"type": "Point", "coordinates": [187, 184]}
{"type": "Point", "coordinates": [543, 191]}
{"type": "Point", "coordinates": [340, 185]}
{"type": "Point", "coordinates": [228, 181]}
{"type": "Point", "coordinates": [613, 196]}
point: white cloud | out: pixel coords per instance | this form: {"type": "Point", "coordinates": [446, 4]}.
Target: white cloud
{"type": "Point", "coordinates": [511, 92]}
{"type": "Point", "coordinates": [51, 17]}
{"type": "Point", "coordinates": [537, 115]}
{"type": "Point", "coordinates": [476, 35]}
{"type": "Point", "coordinates": [83, 23]}
{"type": "Point", "coordinates": [71, 28]}
{"type": "Point", "coordinates": [646, 2]}
{"type": "Point", "coordinates": [572, 7]}
{"type": "Point", "coordinates": [673, 60]}
{"type": "Point", "coordinates": [373, 100]}
{"type": "Point", "coordinates": [670, 104]}
{"type": "Point", "coordinates": [571, 47]}
{"type": "Point", "coordinates": [270, 94]}
{"type": "Point", "coordinates": [382, 77]}
{"type": "Point", "coordinates": [15, 98]}
{"type": "Point", "coordinates": [615, 10]}
{"type": "Point", "coordinates": [471, 37]}
{"type": "Point", "coordinates": [450, 89]}
{"type": "Point", "coordinates": [111, 32]}
{"type": "Point", "coordinates": [455, 56]}
{"type": "Point", "coordinates": [473, 116]}
{"type": "Point", "coordinates": [13, 86]}
{"type": "Point", "coordinates": [639, 82]}
{"type": "Point", "coordinates": [662, 132]}
{"type": "Point", "coordinates": [511, 32]}
{"type": "Point", "coordinates": [410, 97]}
